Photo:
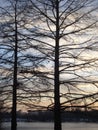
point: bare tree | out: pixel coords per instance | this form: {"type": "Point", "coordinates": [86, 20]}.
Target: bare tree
{"type": "Point", "coordinates": [16, 58]}
{"type": "Point", "coordinates": [67, 25]}
{"type": "Point", "coordinates": [10, 27]}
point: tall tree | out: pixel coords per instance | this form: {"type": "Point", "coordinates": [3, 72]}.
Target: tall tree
{"type": "Point", "coordinates": [16, 57]}
{"type": "Point", "coordinates": [63, 23]}
{"type": "Point", "coordinates": [10, 27]}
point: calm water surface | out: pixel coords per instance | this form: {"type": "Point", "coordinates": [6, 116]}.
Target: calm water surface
{"type": "Point", "coordinates": [49, 126]}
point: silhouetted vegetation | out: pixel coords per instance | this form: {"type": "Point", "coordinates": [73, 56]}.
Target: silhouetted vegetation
{"type": "Point", "coordinates": [48, 60]}
{"type": "Point", "coordinates": [47, 116]}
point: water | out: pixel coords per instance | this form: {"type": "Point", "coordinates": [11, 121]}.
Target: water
{"type": "Point", "coordinates": [49, 126]}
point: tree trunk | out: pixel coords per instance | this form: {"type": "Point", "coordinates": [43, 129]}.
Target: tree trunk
{"type": "Point", "coordinates": [57, 114]}
{"type": "Point", "coordinates": [14, 100]}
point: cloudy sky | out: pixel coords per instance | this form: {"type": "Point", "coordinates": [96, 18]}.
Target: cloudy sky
{"type": "Point", "coordinates": [68, 74]}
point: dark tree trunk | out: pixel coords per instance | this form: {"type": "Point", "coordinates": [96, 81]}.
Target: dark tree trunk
{"type": "Point", "coordinates": [14, 100]}
{"type": "Point", "coordinates": [57, 114]}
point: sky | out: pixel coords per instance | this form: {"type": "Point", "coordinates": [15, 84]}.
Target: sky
{"type": "Point", "coordinates": [83, 54]}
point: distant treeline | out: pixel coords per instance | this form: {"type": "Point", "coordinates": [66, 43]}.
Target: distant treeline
{"type": "Point", "coordinates": [47, 116]}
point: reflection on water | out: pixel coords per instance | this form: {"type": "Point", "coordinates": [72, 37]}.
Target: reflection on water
{"type": "Point", "coordinates": [49, 126]}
